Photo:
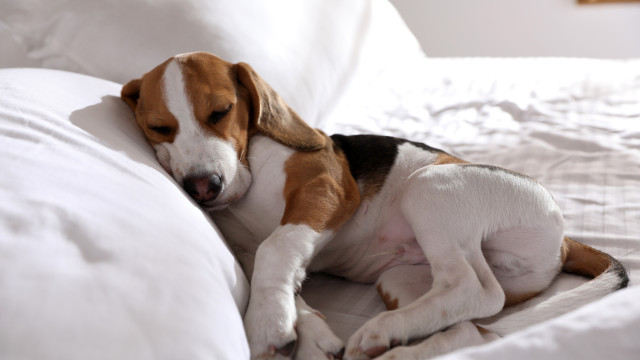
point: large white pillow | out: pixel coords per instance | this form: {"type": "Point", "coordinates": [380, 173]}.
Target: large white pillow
{"type": "Point", "coordinates": [102, 256]}
{"type": "Point", "coordinates": [309, 51]}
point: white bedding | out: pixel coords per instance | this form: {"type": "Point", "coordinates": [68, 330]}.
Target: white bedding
{"type": "Point", "coordinates": [102, 256]}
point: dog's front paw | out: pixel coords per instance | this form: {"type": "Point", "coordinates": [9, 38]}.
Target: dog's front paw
{"type": "Point", "coordinates": [315, 338]}
{"type": "Point", "coordinates": [270, 325]}
{"type": "Point", "coordinates": [374, 338]}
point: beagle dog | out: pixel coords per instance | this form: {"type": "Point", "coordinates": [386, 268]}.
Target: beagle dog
{"type": "Point", "coordinates": [449, 244]}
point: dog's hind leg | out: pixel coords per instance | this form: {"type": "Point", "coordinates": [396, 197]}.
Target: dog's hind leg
{"type": "Point", "coordinates": [403, 284]}
{"type": "Point", "coordinates": [463, 288]}
{"type": "Point", "coordinates": [458, 336]}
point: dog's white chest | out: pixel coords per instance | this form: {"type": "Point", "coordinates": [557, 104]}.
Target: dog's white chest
{"type": "Point", "coordinates": [255, 216]}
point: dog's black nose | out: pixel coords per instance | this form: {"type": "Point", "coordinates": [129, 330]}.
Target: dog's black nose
{"type": "Point", "coordinates": [203, 188]}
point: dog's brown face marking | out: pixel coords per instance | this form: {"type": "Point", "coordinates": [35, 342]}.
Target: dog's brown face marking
{"type": "Point", "coordinates": [196, 114]}
{"type": "Point", "coordinates": [220, 104]}
{"type": "Point", "coordinates": [145, 98]}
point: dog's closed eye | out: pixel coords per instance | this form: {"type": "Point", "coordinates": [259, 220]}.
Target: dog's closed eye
{"type": "Point", "coordinates": [216, 116]}
{"type": "Point", "coordinates": [162, 130]}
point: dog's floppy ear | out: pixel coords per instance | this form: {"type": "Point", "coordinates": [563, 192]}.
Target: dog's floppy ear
{"type": "Point", "coordinates": [131, 92]}
{"type": "Point", "coordinates": [273, 117]}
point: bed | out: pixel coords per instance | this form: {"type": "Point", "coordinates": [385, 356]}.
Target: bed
{"type": "Point", "coordinates": [102, 256]}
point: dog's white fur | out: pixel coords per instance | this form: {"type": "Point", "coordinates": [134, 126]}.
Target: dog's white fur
{"type": "Point", "coordinates": [447, 241]}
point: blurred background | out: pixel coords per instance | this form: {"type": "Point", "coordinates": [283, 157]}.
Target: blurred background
{"type": "Point", "coordinates": [605, 29]}
{"type": "Point", "coordinates": [513, 28]}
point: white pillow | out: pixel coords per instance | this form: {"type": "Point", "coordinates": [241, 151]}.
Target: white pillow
{"type": "Point", "coordinates": [101, 255]}
{"type": "Point", "coordinates": [309, 51]}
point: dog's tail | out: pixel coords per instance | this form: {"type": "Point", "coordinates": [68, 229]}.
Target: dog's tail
{"type": "Point", "coordinates": [584, 260]}
{"type": "Point", "coordinates": [607, 275]}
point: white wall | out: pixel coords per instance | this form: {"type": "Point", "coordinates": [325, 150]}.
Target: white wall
{"type": "Point", "coordinates": [524, 27]}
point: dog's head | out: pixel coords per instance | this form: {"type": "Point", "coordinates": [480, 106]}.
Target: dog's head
{"type": "Point", "coordinates": [199, 111]}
